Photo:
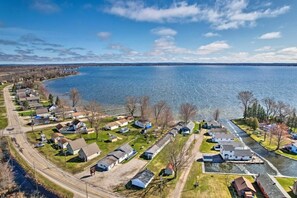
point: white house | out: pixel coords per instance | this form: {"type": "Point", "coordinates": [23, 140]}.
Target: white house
{"type": "Point", "coordinates": [56, 137]}
{"type": "Point", "coordinates": [89, 152]}
{"type": "Point", "coordinates": [213, 131]}
{"type": "Point", "coordinates": [293, 147]}
{"type": "Point", "coordinates": [188, 129]}
{"type": "Point", "coordinates": [236, 145]}
{"type": "Point", "coordinates": [120, 155]}
{"type": "Point", "coordinates": [42, 112]}
{"type": "Point", "coordinates": [142, 179]}
{"type": "Point", "coordinates": [74, 146]}
{"type": "Point", "coordinates": [122, 122]}
{"type": "Point", "coordinates": [218, 137]}
{"type": "Point", "coordinates": [126, 148]}
{"type": "Point", "coordinates": [152, 151]}
{"type": "Point", "coordinates": [112, 126]}
{"type": "Point", "coordinates": [73, 127]}
{"type": "Point", "coordinates": [229, 152]}
{"type": "Point", "coordinates": [143, 124]}
{"type": "Point", "coordinates": [63, 142]}
{"type": "Point", "coordinates": [107, 163]}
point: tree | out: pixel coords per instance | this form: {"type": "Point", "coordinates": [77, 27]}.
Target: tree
{"type": "Point", "coordinates": [255, 123]}
{"type": "Point", "coordinates": [166, 118]}
{"type": "Point", "coordinates": [57, 102]}
{"type": "Point", "coordinates": [280, 131]}
{"type": "Point", "coordinates": [51, 98]}
{"type": "Point", "coordinates": [269, 104]}
{"type": "Point", "coordinates": [62, 108]}
{"type": "Point", "coordinates": [131, 104]}
{"type": "Point", "coordinates": [144, 107]}
{"type": "Point", "coordinates": [216, 114]}
{"type": "Point", "coordinates": [74, 96]}
{"type": "Point", "coordinates": [187, 111]}
{"type": "Point", "coordinates": [92, 109]}
{"type": "Point", "coordinates": [158, 110]}
{"type": "Point", "coordinates": [246, 98]}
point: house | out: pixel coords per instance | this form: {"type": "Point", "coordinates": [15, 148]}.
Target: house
{"type": "Point", "coordinates": [169, 170]}
{"type": "Point", "coordinates": [124, 130]}
{"type": "Point", "coordinates": [126, 148]}
{"type": "Point", "coordinates": [120, 155]}
{"type": "Point", "coordinates": [218, 137]}
{"type": "Point", "coordinates": [143, 124]}
{"type": "Point", "coordinates": [33, 99]}
{"type": "Point", "coordinates": [63, 142]}
{"type": "Point", "coordinates": [293, 148]}
{"type": "Point", "coordinates": [113, 138]}
{"type": "Point", "coordinates": [42, 112]}
{"type": "Point", "coordinates": [35, 105]}
{"type": "Point", "coordinates": [112, 126]}
{"type": "Point", "coordinates": [295, 187]}
{"type": "Point", "coordinates": [107, 163]}
{"type": "Point", "coordinates": [207, 158]}
{"type": "Point", "coordinates": [37, 120]}
{"type": "Point", "coordinates": [52, 108]}
{"type": "Point", "coordinates": [211, 125]}
{"type": "Point", "coordinates": [130, 119]}
{"type": "Point", "coordinates": [59, 127]}
{"type": "Point", "coordinates": [213, 131]}
{"type": "Point", "coordinates": [270, 187]}
{"type": "Point", "coordinates": [122, 122]}
{"type": "Point", "coordinates": [173, 132]}
{"type": "Point", "coordinates": [56, 137]}
{"type": "Point", "coordinates": [143, 178]}
{"type": "Point", "coordinates": [243, 185]}
{"type": "Point", "coordinates": [79, 115]}
{"type": "Point", "coordinates": [74, 127]}
{"type": "Point", "coordinates": [188, 129]}
{"type": "Point", "coordinates": [151, 152]}
{"type": "Point", "coordinates": [229, 152]}
{"type": "Point", "coordinates": [236, 145]}
{"type": "Point", "coordinates": [74, 146]}
{"type": "Point", "coordinates": [89, 152]}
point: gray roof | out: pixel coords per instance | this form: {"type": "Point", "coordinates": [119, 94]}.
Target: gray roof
{"type": "Point", "coordinates": [223, 135]}
{"type": "Point", "coordinates": [218, 130]}
{"type": "Point", "coordinates": [228, 147]}
{"type": "Point", "coordinates": [190, 125]}
{"type": "Point", "coordinates": [78, 144]}
{"type": "Point", "coordinates": [117, 154]}
{"type": "Point", "coordinates": [91, 149]}
{"type": "Point", "coordinates": [213, 123]}
{"type": "Point", "coordinates": [32, 98]}
{"type": "Point", "coordinates": [125, 148]}
{"type": "Point", "coordinates": [235, 144]}
{"type": "Point", "coordinates": [145, 176]}
{"type": "Point", "coordinates": [41, 111]}
{"type": "Point", "coordinates": [243, 152]}
{"type": "Point", "coordinates": [271, 186]}
{"type": "Point", "coordinates": [108, 160]}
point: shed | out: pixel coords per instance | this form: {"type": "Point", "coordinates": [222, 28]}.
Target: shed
{"type": "Point", "coordinates": [143, 178]}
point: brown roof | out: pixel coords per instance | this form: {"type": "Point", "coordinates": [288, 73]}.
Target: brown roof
{"type": "Point", "coordinates": [41, 111]}
{"type": "Point", "coordinates": [78, 143]}
{"type": "Point", "coordinates": [111, 124]}
{"type": "Point", "coordinates": [55, 135]}
{"type": "Point", "coordinates": [59, 126]}
{"type": "Point", "coordinates": [242, 183]}
{"type": "Point", "coordinates": [64, 140]}
{"type": "Point", "coordinates": [122, 121]}
{"type": "Point", "coordinates": [91, 149]}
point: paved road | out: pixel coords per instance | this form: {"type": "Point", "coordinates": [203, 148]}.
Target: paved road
{"type": "Point", "coordinates": [194, 155]}
{"type": "Point", "coordinates": [41, 165]}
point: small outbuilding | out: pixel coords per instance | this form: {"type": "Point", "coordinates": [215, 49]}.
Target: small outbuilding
{"type": "Point", "coordinates": [143, 178]}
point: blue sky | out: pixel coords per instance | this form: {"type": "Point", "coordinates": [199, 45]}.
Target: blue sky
{"type": "Point", "coordinates": [66, 31]}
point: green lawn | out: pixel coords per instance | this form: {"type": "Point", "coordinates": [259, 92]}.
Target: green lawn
{"type": "Point", "coordinates": [73, 164]}
{"type": "Point", "coordinates": [3, 117]}
{"type": "Point", "coordinates": [286, 183]}
{"type": "Point", "coordinates": [258, 136]}
{"type": "Point", "coordinates": [210, 185]}
{"type": "Point", "coordinates": [207, 145]}
{"type": "Point", "coordinates": [27, 113]}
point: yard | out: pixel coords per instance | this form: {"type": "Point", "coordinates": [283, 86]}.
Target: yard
{"type": "Point", "coordinates": [286, 183]}
{"type": "Point", "coordinates": [207, 145]}
{"type": "Point", "coordinates": [3, 117]}
{"type": "Point", "coordinates": [258, 136]}
{"type": "Point", "coordinates": [210, 185]}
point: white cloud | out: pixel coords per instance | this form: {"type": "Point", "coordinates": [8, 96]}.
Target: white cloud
{"type": "Point", "coordinates": [164, 31]}
{"type": "Point", "coordinates": [222, 15]}
{"type": "Point", "coordinates": [289, 51]}
{"type": "Point", "coordinates": [263, 49]}
{"type": "Point", "coordinates": [45, 6]}
{"type": "Point", "coordinates": [213, 47]}
{"type": "Point", "coordinates": [104, 35]}
{"type": "Point", "coordinates": [270, 35]}
{"type": "Point", "coordinates": [211, 34]}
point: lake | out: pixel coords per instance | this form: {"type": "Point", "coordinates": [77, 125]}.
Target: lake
{"type": "Point", "coordinates": [208, 87]}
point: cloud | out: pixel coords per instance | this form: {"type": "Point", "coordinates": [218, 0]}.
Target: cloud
{"type": "Point", "coordinates": [45, 6]}
{"type": "Point", "coordinates": [10, 42]}
{"type": "Point", "coordinates": [289, 51]}
{"type": "Point", "coordinates": [213, 47]}
{"type": "Point", "coordinates": [104, 35]}
{"type": "Point", "coordinates": [271, 35]}
{"type": "Point", "coordinates": [34, 40]}
{"type": "Point", "coordinates": [263, 49]}
{"type": "Point", "coordinates": [211, 34]}
{"type": "Point", "coordinates": [163, 31]}
{"type": "Point", "coordinates": [224, 14]}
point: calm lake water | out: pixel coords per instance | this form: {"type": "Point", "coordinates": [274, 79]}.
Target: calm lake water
{"type": "Point", "coordinates": [208, 87]}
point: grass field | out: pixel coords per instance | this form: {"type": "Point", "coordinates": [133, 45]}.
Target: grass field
{"type": "Point", "coordinates": [3, 117]}
{"type": "Point", "coordinates": [258, 136]}
{"type": "Point", "coordinates": [210, 185]}
{"type": "Point", "coordinates": [286, 183]}
{"type": "Point", "coordinates": [207, 145]}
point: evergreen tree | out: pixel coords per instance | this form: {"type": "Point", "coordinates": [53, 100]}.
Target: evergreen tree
{"type": "Point", "coordinates": [58, 101]}
{"type": "Point", "coordinates": [51, 98]}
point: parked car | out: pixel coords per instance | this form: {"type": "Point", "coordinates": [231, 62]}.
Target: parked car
{"type": "Point", "coordinates": [124, 130]}
{"type": "Point", "coordinates": [294, 136]}
{"type": "Point", "coordinates": [40, 144]}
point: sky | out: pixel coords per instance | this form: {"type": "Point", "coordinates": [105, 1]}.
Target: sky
{"type": "Point", "coordinates": [210, 31]}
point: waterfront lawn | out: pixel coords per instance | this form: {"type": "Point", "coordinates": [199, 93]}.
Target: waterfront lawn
{"type": "Point", "coordinates": [207, 145]}
{"type": "Point", "coordinates": [210, 185]}
{"type": "Point", "coordinates": [3, 117]}
{"type": "Point", "coordinates": [73, 164]}
{"type": "Point", "coordinates": [258, 136]}
{"type": "Point", "coordinates": [286, 183]}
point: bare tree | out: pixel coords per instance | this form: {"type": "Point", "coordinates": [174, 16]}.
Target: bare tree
{"type": "Point", "coordinates": [158, 109]}
{"type": "Point", "coordinates": [131, 104]}
{"type": "Point", "coordinates": [6, 177]}
{"type": "Point", "coordinates": [177, 155]}
{"type": "Point", "coordinates": [93, 111]}
{"type": "Point", "coordinates": [62, 107]}
{"type": "Point", "coordinates": [145, 107]}
{"type": "Point", "coordinates": [166, 118]}
{"type": "Point", "coordinates": [187, 111]}
{"type": "Point", "coordinates": [246, 98]}
{"type": "Point", "coordinates": [269, 104]}
{"type": "Point", "coordinates": [74, 96]}
{"type": "Point", "coordinates": [280, 131]}
{"type": "Point", "coordinates": [216, 114]}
